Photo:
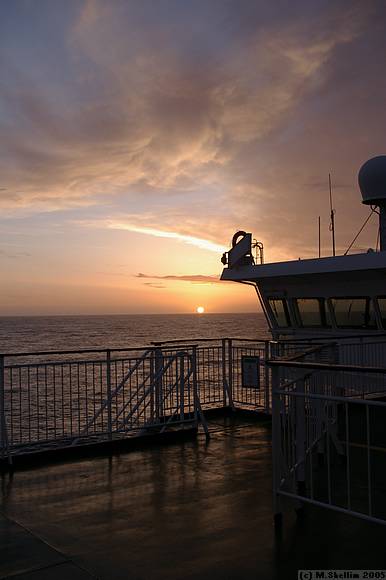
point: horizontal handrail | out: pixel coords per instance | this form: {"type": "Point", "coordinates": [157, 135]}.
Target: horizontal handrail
{"type": "Point", "coordinates": [72, 362]}
{"type": "Point", "coordinates": [314, 350]}
{"type": "Point", "coordinates": [294, 381]}
{"type": "Point", "coordinates": [79, 351]}
{"type": "Point", "coordinates": [217, 339]}
{"type": "Point", "coordinates": [325, 366]}
{"type": "Point", "coordinates": [188, 342]}
{"type": "Point", "coordinates": [336, 335]}
{"type": "Point", "coordinates": [328, 398]}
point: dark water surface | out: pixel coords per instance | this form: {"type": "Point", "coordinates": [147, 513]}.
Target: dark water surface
{"type": "Point", "coordinates": [34, 333]}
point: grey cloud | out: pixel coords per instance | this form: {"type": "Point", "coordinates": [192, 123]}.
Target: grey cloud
{"type": "Point", "coordinates": [195, 278]}
{"type": "Point", "coordinates": [251, 103]}
{"type": "Point", "coordinates": [14, 255]}
{"type": "Point", "coordinates": [152, 285]}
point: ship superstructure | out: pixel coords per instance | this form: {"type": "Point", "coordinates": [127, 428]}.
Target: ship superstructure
{"type": "Point", "coordinates": [337, 295]}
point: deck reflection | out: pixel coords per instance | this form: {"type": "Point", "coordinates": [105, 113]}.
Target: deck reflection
{"type": "Point", "coordinates": [185, 510]}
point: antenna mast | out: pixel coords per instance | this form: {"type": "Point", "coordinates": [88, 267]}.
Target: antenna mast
{"type": "Point", "coordinates": [332, 216]}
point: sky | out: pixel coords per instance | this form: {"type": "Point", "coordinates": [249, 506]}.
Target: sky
{"type": "Point", "coordinates": [137, 136]}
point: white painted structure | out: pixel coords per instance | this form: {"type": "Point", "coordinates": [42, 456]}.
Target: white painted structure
{"type": "Point", "coordinates": [333, 296]}
{"type": "Point", "coordinates": [336, 295]}
{"type": "Point", "coordinates": [327, 400]}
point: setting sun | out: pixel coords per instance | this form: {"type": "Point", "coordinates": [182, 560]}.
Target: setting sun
{"type": "Point", "coordinates": [200, 310]}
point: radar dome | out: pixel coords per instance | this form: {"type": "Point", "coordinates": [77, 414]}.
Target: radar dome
{"type": "Point", "coordinates": [372, 181]}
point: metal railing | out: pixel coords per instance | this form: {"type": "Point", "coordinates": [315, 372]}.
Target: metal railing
{"type": "Point", "coordinates": [71, 401]}
{"type": "Point", "coordinates": [328, 443]}
{"type": "Point", "coordinates": [71, 397]}
{"type": "Point", "coordinates": [66, 398]}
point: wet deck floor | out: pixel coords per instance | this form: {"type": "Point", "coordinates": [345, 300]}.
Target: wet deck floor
{"type": "Point", "coordinates": [186, 510]}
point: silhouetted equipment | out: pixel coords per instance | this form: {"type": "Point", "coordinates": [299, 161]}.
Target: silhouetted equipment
{"type": "Point", "coordinates": [241, 252]}
{"type": "Point", "coordinates": [259, 251]}
{"type": "Point", "coordinates": [235, 239]}
{"type": "Point", "coordinates": [372, 183]}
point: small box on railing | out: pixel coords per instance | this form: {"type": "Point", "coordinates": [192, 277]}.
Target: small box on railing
{"type": "Point", "coordinates": [250, 372]}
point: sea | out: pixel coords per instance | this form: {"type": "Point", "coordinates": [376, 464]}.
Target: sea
{"type": "Point", "coordinates": [37, 333]}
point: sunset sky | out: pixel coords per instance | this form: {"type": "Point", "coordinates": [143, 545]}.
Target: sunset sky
{"type": "Point", "coordinates": [137, 136]}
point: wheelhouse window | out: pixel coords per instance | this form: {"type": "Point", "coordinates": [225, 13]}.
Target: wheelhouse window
{"type": "Point", "coordinates": [312, 312]}
{"type": "Point", "coordinates": [353, 312]}
{"type": "Point", "coordinates": [280, 311]}
{"type": "Point", "coordinates": [382, 309]}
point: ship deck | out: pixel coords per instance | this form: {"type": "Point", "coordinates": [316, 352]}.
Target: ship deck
{"type": "Point", "coordinates": [189, 509]}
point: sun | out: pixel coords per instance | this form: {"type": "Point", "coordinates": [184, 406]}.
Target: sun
{"type": "Point", "coordinates": [200, 310]}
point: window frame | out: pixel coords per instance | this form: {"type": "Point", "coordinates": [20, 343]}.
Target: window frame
{"type": "Point", "coordinates": [369, 304]}
{"type": "Point", "coordinates": [382, 321]}
{"type": "Point", "coordinates": [285, 309]}
{"type": "Point", "coordinates": [323, 308]}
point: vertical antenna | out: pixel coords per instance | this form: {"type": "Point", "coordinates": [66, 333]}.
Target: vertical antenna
{"type": "Point", "coordinates": [332, 216]}
{"type": "Point", "coordinates": [319, 236]}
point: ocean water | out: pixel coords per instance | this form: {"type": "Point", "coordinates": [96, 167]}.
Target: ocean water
{"type": "Point", "coordinates": [36, 333]}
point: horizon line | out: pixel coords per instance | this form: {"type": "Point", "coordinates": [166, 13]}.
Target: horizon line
{"type": "Point", "coordinates": [128, 314]}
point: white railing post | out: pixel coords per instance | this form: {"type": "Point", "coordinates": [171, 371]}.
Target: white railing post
{"type": "Point", "coordinates": [182, 386]}
{"type": "Point", "coordinates": [2, 409]}
{"type": "Point", "coordinates": [300, 433]}
{"type": "Point", "coordinates": [276, 445]}
{"type": "Point", "coordinates": [4, 443]}
{"type": "Point", "coordinates": [227, 371]}
{"type": "Point", "coordinates": [109, 397]}
{"type": "Point", "coordinates": [158, 383]}
{"type": "Point", "coordinates": [198, 412]}
{"type": "Point", "coordinates": [267, 373]}
{"type": "Point", "coordinates": [195, 386]}
{"type": "Point", "coordinates": [152, 375]}
{"type": "Point", "coordinates": [230, 372]}
{"type": "Point", "coordinates": [224, 371]}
